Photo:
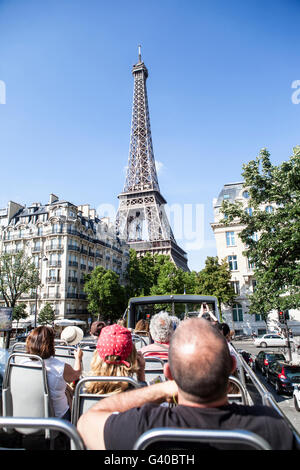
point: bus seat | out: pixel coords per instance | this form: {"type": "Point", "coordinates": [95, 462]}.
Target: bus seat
{"type": "Point", "coordinates": [139, 341]}
{"type": "Point", "coordinates": [86, 359]}
{"type": "Point", "coordinates": [37, 424]}
{"type": "Point", "coordinates": [25, 390]}
{"type": "Point", "coordinates": [242, 396]}
{"type": "Point", "coordinates": [82, 401]}
{"type": "Point", "coordinates": [188, 437]}
{"type": "Point", "coordinates": [154, 368]}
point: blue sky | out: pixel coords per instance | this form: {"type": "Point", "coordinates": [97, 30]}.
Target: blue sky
{"type": "Point", "coordinates": [219, 88]}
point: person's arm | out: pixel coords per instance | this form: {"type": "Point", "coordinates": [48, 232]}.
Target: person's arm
{"type": "Point", "coordinates": [141, 372]}
{"type": "Point", "coordinates": [91, 424]}
{"type": "Point", "coordinates": [74, 373]}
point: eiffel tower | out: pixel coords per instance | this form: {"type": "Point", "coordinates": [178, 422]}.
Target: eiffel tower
{"type": "Point", "coordinates": [141, 218]}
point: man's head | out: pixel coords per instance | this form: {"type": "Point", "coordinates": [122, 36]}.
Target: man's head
{"type": "Point", "coordinates": [200, 361]}
{"type": "Point", "coordinates": [161, 327]}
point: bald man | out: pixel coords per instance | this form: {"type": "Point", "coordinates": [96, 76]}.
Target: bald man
{"type": "Point", "coordinates": [198, 370]}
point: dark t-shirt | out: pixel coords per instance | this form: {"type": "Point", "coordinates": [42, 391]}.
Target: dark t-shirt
{"type": "Point", "coordinates": [122, 430]}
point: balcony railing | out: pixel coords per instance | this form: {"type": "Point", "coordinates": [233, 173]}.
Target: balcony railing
{"type": "Point", "coordinates": [53, 280]}
{"type": "Point", "coordinates": [54, 264]}
{"type": "Point", "coordinates": [54, 247]}
{"type": "Point", "coordinates": [73, 263]}
{"type": "Point", "coordinates": [74, 248]}
{"type": "Point", "coordinates": [72, 295]}
{"type": "Point", "coordinates": [52, 296]}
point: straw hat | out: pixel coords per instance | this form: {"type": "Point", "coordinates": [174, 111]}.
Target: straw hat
{"type": "Point", "coordinates": [72, 335]}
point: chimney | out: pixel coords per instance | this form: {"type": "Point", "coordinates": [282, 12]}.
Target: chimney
{"type": "Point", "coordinates": [53, 198]}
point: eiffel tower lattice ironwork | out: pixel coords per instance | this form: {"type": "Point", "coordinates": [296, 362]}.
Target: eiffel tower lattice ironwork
{"type": "Point", "coordinates": [141, 218]}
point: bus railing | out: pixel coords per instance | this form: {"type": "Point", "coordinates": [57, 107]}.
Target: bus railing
{"type": "Point", "coordinates": [266, 397]}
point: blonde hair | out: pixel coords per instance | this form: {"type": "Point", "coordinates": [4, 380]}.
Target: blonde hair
{"type": "Point", "coordinates": [102, 369]}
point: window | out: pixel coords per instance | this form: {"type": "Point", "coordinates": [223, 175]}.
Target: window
{"type": "Point", "coordinates": [237, 313]}
{"type": "Point", "coordinates": [246, 194]}
{"type": "Point", "coordinates": [236, 287]}
{"type": "Point", "coordinates": [269, 209]}
{"type": "Point", "coordinates": [56, 228]}
{"type": "Point", "coordinates": [253, 285]}
{"type": "Point", "coordinates": [230, 239]}
{"type": "Point", "coordinates": [249, 211]}
{"type": "Point", "coordinates": [226, 196]}
{"type": "Point", "coordinates": [232, 261]}
{"type": "Point", "coordinates": [258, 317]}
{"type": "Point", "coordinates": [254, 237]}
{"type": "Point", "coordinates": [251, 264]}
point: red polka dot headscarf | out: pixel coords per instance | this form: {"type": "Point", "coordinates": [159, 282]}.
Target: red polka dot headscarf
{"type": "Point", "coordinates": [115, 340]}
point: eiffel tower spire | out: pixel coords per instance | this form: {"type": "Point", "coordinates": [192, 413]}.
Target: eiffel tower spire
{"type": "Point", "coordinates": [141, 219]}
{"type": "Point", "coordinates": [141, 171]}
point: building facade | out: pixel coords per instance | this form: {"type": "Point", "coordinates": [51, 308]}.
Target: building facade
{"type": "Point", "coordinates": [230, 246]}
{"type": "Point", "coordinates": [65, 242]}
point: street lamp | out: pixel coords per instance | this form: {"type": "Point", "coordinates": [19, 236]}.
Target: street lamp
{"type": "Point", "coordinates": [44, 258]}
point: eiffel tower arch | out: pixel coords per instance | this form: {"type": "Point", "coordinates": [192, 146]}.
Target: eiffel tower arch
{"type": "Point", "coordinates": [141, 218]}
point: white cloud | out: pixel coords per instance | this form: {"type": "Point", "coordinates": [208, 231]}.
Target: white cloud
{"type": "Point", "coordinates": [159, 166]}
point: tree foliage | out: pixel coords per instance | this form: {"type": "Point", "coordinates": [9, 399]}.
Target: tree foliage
{"type": "Point", "coordinates": [105, 295]}
{"type": "Point", "coordinates": [214, 279]}
{"type": "Point", "coordinates": [158, 275]}
{"type": "Point", "coordinates": [271, 237]}
{"type": "Point", "coordinates": [46, 315]}
{"type": "Point", "coordinates": [18, 275]}
{"type": "Point", "coordinates": [19, 312]}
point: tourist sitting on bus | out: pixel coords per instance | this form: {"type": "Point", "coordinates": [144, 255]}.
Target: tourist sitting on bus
{"type": "Point", "coordinates": [175, 321]}
{"type": "Point", "coordinates": [225, 330]}
{"type": "Point", "coordinates": [40, 342]}
{"type": "Point", "coordinates": [161, 330]}
{"type": "Point", "coordinates": [115, 356]}
{"type": "Point", "coordinates": [96, 328]}
{"type": "Point", "coordinates": [142, 328]}
{"type": "Point", "coordinates": [198, 371]}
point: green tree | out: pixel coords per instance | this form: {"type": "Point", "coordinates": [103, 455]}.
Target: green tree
{"type": "Point", "coordinates": [271, 233]}
{"type": "Point", "coordinates": [106, 297]}
{"type": "Point", "coordinates": [18, 275]}
{"type": "Point", "coordinates": [170, 280]}
{"type": "Point", "coordinates": [143, 273]}
{"type": "Point", "coordinates": [214, 280]}
{"type": "Point", "coordinates": [46, 315]}
{"type": "Point", "coordinates": [19, 312]}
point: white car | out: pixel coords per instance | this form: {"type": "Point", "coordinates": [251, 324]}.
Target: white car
{"type": "Point", "coordinates": [296, 395]}
{"type": "Point", "coordinates": [270, 339]}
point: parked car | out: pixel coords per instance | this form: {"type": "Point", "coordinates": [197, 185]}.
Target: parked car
{"type": "Point", "coordinates": [296, 394]}
{"type": "Point", "coordinates": [264, 359]}
{"type": "Point", "coordinates": [270, 339]}
{"type": "Point", "coordinates": [283, 376]}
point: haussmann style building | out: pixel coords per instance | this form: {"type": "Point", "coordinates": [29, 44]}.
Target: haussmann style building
{"type": "Point", "coordinates": [230, 246]}
{"type": "Point", "coordinates": [65, 242]}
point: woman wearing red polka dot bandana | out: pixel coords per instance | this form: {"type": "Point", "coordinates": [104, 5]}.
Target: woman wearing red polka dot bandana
{"type": "Point", "coordinates": [115, 355]}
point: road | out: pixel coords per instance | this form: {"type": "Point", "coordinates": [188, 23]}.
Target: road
{"type": "Point", "coordinates": [285, 402]}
